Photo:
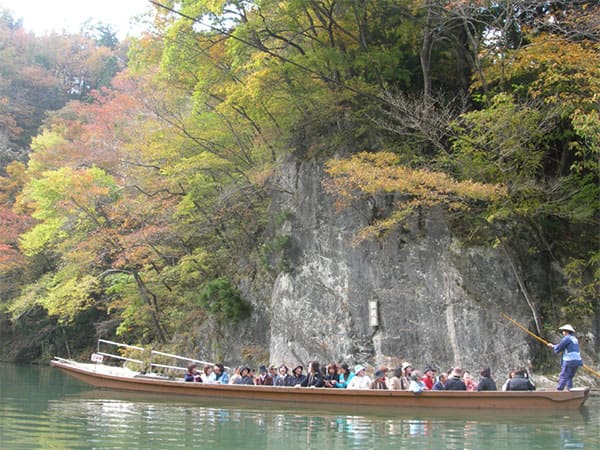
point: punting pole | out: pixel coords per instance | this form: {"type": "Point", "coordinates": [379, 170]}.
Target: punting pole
{"type": "Point", "coordinates": [543, 341]}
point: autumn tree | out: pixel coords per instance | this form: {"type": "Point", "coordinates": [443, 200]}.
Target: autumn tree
{"type": "Point", "coordinates": [40, 74]}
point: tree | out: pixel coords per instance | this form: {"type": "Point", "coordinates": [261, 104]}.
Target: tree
{"type": "Point", "coordinates": [40, 74]}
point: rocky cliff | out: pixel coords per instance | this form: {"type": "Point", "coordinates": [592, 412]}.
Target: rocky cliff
{"type": "Point", "coordinates": [418, 294]}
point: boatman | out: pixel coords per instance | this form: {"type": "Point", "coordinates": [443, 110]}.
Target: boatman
{"type": "Point", "coordinates": [571, 358]}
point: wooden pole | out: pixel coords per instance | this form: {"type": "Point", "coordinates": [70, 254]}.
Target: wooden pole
{"type": "Point", "coordinates": [543, 341]}
{"type": "Point", "coordinates": [514, 322]}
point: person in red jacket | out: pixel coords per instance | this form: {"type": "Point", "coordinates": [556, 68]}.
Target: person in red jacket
{"type": "Point", "coordinates": [428, 377]}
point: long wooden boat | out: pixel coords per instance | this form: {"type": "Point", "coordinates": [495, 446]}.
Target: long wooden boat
{"type": "Point", "coordinates": [120, 378]}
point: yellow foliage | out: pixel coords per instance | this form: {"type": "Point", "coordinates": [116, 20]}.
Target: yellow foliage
{"type": "Point", "coordinates": [380, 173]}
{"type": "Point", "coordinates": [566, 72]}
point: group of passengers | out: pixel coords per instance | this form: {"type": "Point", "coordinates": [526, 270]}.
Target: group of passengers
{"type": "Point", "coordinates": [340, 376]}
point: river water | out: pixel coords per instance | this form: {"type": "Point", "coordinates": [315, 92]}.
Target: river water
{"type": "Point", "coordinates": [42, 408]}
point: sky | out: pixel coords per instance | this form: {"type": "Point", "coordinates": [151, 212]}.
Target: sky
{"type": "Point", "coordinates": [43, 16]}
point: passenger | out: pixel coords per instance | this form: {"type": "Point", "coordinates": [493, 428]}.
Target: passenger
{"type": "Point", "coordinates": [221, 375]}
{"type": "Point", "coordinates": [455, 382]}
{"type": "Point", "coordinates": [345, 376]}
{"type": "Point", "coordinates": [297, 377]}
{"type": "Point", "coordinates": [379, 380]}
{"type": "Point", "coordinates": [236, 377]}
{"type": "Point", "coordinates": [385, 371]}
{"type": "Point", "coordinates": [282, 377]}
{"type": "Point", "coordinates": [395, 383]}
{"type": "Point", "coordinates": [469, 381]}
{"type": "Point", "coordinates": [440, 384]}
{"type": "Point", "coordinates": [264, 377]}
{"type": "Point", "coordinates": [360, 380]}
{"type": "Point", "coordinates": [571, 358]}
{"type": "Point", "coordinates": [246, 376]}
{"type": "Point", "coordinates": [520, 382]}
{"type": "Point", "coordinates": [331, 375]}
{"type": "Point", "coordinates": [417, 385]}
{"type": "Point", "coordinates": [407, 369]}
{"type": "Point", "coordinates": [428, 377]}
{"type": "Point", "coordinates": [511, 375]}
{"type": "Point", "coordinates": [273, 372]}
{"type": "Point", "coordinates": [315, 377]}
{"type": "Point", "coordinates": [192, 374]}
{"type": "Point", "coordinates": [486, 382]}
{"type": "Point", "coordinates": [207, 375]}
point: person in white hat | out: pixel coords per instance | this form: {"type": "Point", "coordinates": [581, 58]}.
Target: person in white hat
{"type": "Point", "coordinates": [360, 380]}
{"type": "Point", "coordinates": [571, 358]}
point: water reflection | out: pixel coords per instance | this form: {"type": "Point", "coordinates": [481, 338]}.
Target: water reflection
{"type": "Point", "coordinates": [140, 424]}
{"type": "Point", "coordinates": [56, 412]}
{"type": "Point", "coordinates": [570, 439]}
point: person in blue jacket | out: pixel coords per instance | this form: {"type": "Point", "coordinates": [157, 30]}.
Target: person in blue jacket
{"type": "Point", "coordinates": [571, 358]}
{"type": "Point", "coordinates": [345, 376]}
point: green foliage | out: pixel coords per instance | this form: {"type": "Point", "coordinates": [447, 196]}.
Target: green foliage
{"type": "Point", "coordinates": [65, 202]}
{"type": "Point", "coordinates": [279, 253]}
{"type": "Point", "coordinates": [62, 297]}
{"type": "Point", "coordinates": [584, 284]}
{"type": "Point", "coordinates": [282, 217]}
{"type": "Point", "coordinates": [587, 148]}
{"type": "Point", "coordinates": [503, 143]}
{"type": "Point", "coordinates": [224, 302]}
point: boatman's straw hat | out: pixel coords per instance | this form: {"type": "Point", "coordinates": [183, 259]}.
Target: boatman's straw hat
{"type": "Point", "coordinates": [567, 327]}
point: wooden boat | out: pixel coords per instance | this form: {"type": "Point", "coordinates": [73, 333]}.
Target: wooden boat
{"type": "Point", "coordinates": [111, 377]}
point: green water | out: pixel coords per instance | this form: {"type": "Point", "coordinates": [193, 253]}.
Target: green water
{"type": "Point", "coordinates": [42, 408]}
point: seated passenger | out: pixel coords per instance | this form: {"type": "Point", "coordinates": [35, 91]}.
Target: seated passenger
{"type": "Point", "coordinates": [297, 377]}
{"type": "Point", "coordinates": [246, 376]}
{"type": "Point", "coordinates": [236, 377]}
{"type": "Point", "coordinates": [440, 384]}
{"type": "Point", "coordinates": [511, 375]}
{"type": "Point", "coordinates": [282, 377]}
{"type": "Point", "coordinates": [221, 375]}
{"type": "Point", "coordinates": [331, 375]}
{"type": "Point", "coordinates": [379, 380]}
{"type": "Point", "coordinates": [428, 377]}
{"type": "Point", "coordinates": [345, 376]}
{"type": "Point", "coordinates": [455, 382]}
{"type": "Point", "coordinates": [360, 380]}
{"type": "Point", "coordinates": [315, 377]}
{"type": "Point", "coordinates": [207, 375]}
{"type": "Point", "coordinates": [273, 372]}
{"type": "Point", "coordinates": [264, 377]}
{"type": "Point", "coordinates": [469, 381]}
{"type": "Point", "coordinates": [520, 382]}
{"type": "Point", "coordinates": [417, 385]}
{"type": "Point", "coordinates": [192, 374]}
{"type": "Point", "coordinates": [486, 382]}
{"type": "Point", "coordinates": [396, 381]}
{"type": "Point", "coordinates": [407, 369]}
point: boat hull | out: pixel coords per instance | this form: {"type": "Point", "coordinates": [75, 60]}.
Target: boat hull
{"type": "Point", "coordinates": [97, 375]}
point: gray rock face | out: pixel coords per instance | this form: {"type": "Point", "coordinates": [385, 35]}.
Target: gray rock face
{"type": "Point", "coordinates": [438, 302]}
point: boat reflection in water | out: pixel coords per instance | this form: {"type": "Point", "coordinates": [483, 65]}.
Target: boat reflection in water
{"type": "Point", "coordinates": [117, 419]}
